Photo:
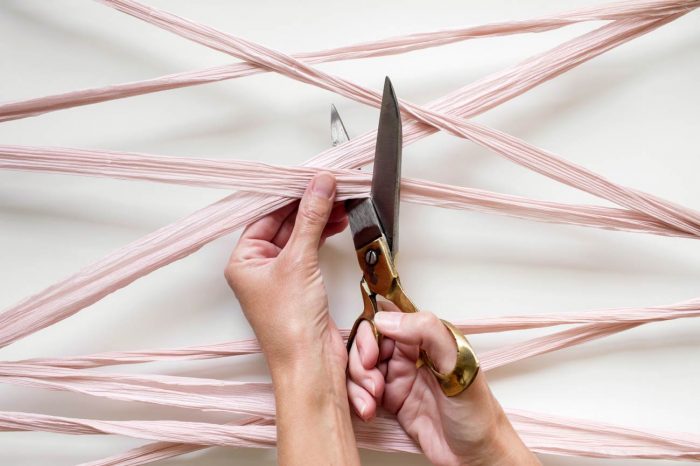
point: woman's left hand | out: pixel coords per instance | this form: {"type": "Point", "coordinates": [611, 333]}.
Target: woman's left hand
{"type": "Point", "coordinates": [274, 272]}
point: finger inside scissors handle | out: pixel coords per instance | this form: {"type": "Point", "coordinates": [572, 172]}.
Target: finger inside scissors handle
{"type": "Point", "coordinates": [369, 301]}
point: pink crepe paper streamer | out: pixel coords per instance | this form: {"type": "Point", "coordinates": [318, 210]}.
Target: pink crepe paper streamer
{"type": "Point", "coordinates": [169, 431]}
{"type": "Point", "coordinates": [212, 351]}
{"type": "Point", "coordinates": [389, 46]}
{"type": "Point", "coordinates": [251, 398]}
{"type": "Point", "coordinates": [603, 317]}
{"type": "Point", "coordinates": [548, 343]}
{"type": "Point", "coordinates": [568, 436]}
{"type": "Point", "coordinates": [541, 433]}
{"type": "Point", "coordinates": [189, 234]}
{"type": "Point", "coordinates": [159, 451]}
{"type": "Point", "coordinates": [292, 181]}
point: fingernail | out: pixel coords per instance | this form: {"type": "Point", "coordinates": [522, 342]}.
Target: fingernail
{"type": "Point", "coordinates": [372, 387]}
{"type": "Point", "coordinates": [323, 185]}
{"type": "Point", "coordinates": [388, 320]}
{"type": "Point", "coordinates": [361, 407]}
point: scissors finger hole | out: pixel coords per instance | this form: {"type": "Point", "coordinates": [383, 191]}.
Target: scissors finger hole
{"type": "Point", "coordinates": [367, 345]}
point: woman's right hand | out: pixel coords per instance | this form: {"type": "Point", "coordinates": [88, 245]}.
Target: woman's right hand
{"type": "Point", "coordinates": [468, 429]}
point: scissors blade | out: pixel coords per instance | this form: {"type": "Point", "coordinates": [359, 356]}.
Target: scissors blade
{"type": "Point", "coordinates": [364, 224]}
{"type": "Point", "coordinates": [338, 133]}
{"type": "Point", "coordinates": [386, 179]}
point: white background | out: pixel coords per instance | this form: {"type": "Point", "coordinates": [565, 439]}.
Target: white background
{"type": "Point", "coordinates": [631, 115]}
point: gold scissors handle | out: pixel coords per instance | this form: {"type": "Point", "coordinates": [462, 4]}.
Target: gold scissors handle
{"type": "Point", "coordinates": [381, 278]}
{"type": "Point", "coordinates": [369, 301]}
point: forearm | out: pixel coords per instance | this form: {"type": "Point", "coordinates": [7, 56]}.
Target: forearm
{"type": "Point", "coordinates": [313, 416]}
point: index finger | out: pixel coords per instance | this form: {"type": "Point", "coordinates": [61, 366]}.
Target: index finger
{"type": "Point", "coordinates": [267, 227]}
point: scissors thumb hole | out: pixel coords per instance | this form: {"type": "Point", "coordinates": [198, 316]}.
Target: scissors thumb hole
{"type": "Point", "coordinates": [422, 329]}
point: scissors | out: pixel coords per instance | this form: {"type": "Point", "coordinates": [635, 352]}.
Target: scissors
{"type": "Point", "coordinates": [374, 225]}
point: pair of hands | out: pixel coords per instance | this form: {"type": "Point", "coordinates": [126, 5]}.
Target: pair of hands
{"type": "Point", "coordinates": [274, 272]}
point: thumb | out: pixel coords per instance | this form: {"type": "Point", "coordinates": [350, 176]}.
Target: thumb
{"type": "Point", "coordinates": [314, 210]}
{"type": "Point", "coordinates": [422, 329]}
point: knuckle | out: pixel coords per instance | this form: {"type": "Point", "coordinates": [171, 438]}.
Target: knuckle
{"type": "Point", "coordinates": [427, 320]}
{"type": "Point", "coordinates": [230, 274]}
{"type": "Point", "coordinates": [233, 266]}
{"type": "Point", "coordinates": [314, 211]}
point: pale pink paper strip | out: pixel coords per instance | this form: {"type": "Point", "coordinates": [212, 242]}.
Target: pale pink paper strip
{"type": "Point", "coordinates": [160, 450]}
{"type": "Point", "coordinates": [389, 46]}
{"type": "Point", "coordinates": [542, 433]}
{"type": "Point", "coordinates": [291, 181]}
{"type": "Point", "coordinates": [603, 317]}
{"type": "Point", "coordinates": [252, 398]}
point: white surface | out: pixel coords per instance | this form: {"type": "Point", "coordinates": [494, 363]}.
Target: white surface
{"type": "Point", "coordinates": [631, 115]}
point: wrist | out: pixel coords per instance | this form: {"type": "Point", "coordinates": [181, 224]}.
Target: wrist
{"type": "Point", "coordinates": [492, 440]}
{"type": "Point", "coordinates": [293, 341]}
{"type": "Point", "coordinates": [502, 447]}
{"type": "Point", "coordinates": [313, 416]}
{"type": "Point", "coordinates": [308, 355]}
{"type": "Point", "coordinates": [494, 448]}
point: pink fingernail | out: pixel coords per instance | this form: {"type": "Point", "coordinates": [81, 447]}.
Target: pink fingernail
{"type": "Point", "coordinates": [323, 185]}
{"type": "Point", "coordinates": [388, 321]}
{"type": "Point", "coordinates": [361, 407]}
{"type": "Point", "coordinates": [372, 387]}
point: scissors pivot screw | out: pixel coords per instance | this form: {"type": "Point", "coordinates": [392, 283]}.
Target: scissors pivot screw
{"type": "Point", "coordinates": [371, 257]}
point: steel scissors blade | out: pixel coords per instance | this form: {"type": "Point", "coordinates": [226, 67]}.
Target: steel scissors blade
{"type": "Point", "coordinates": [379, 214]}
{"type": "Point", "coordinates": [374, 220]}
{"type": "Point", "coordinates": [374, 226]}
